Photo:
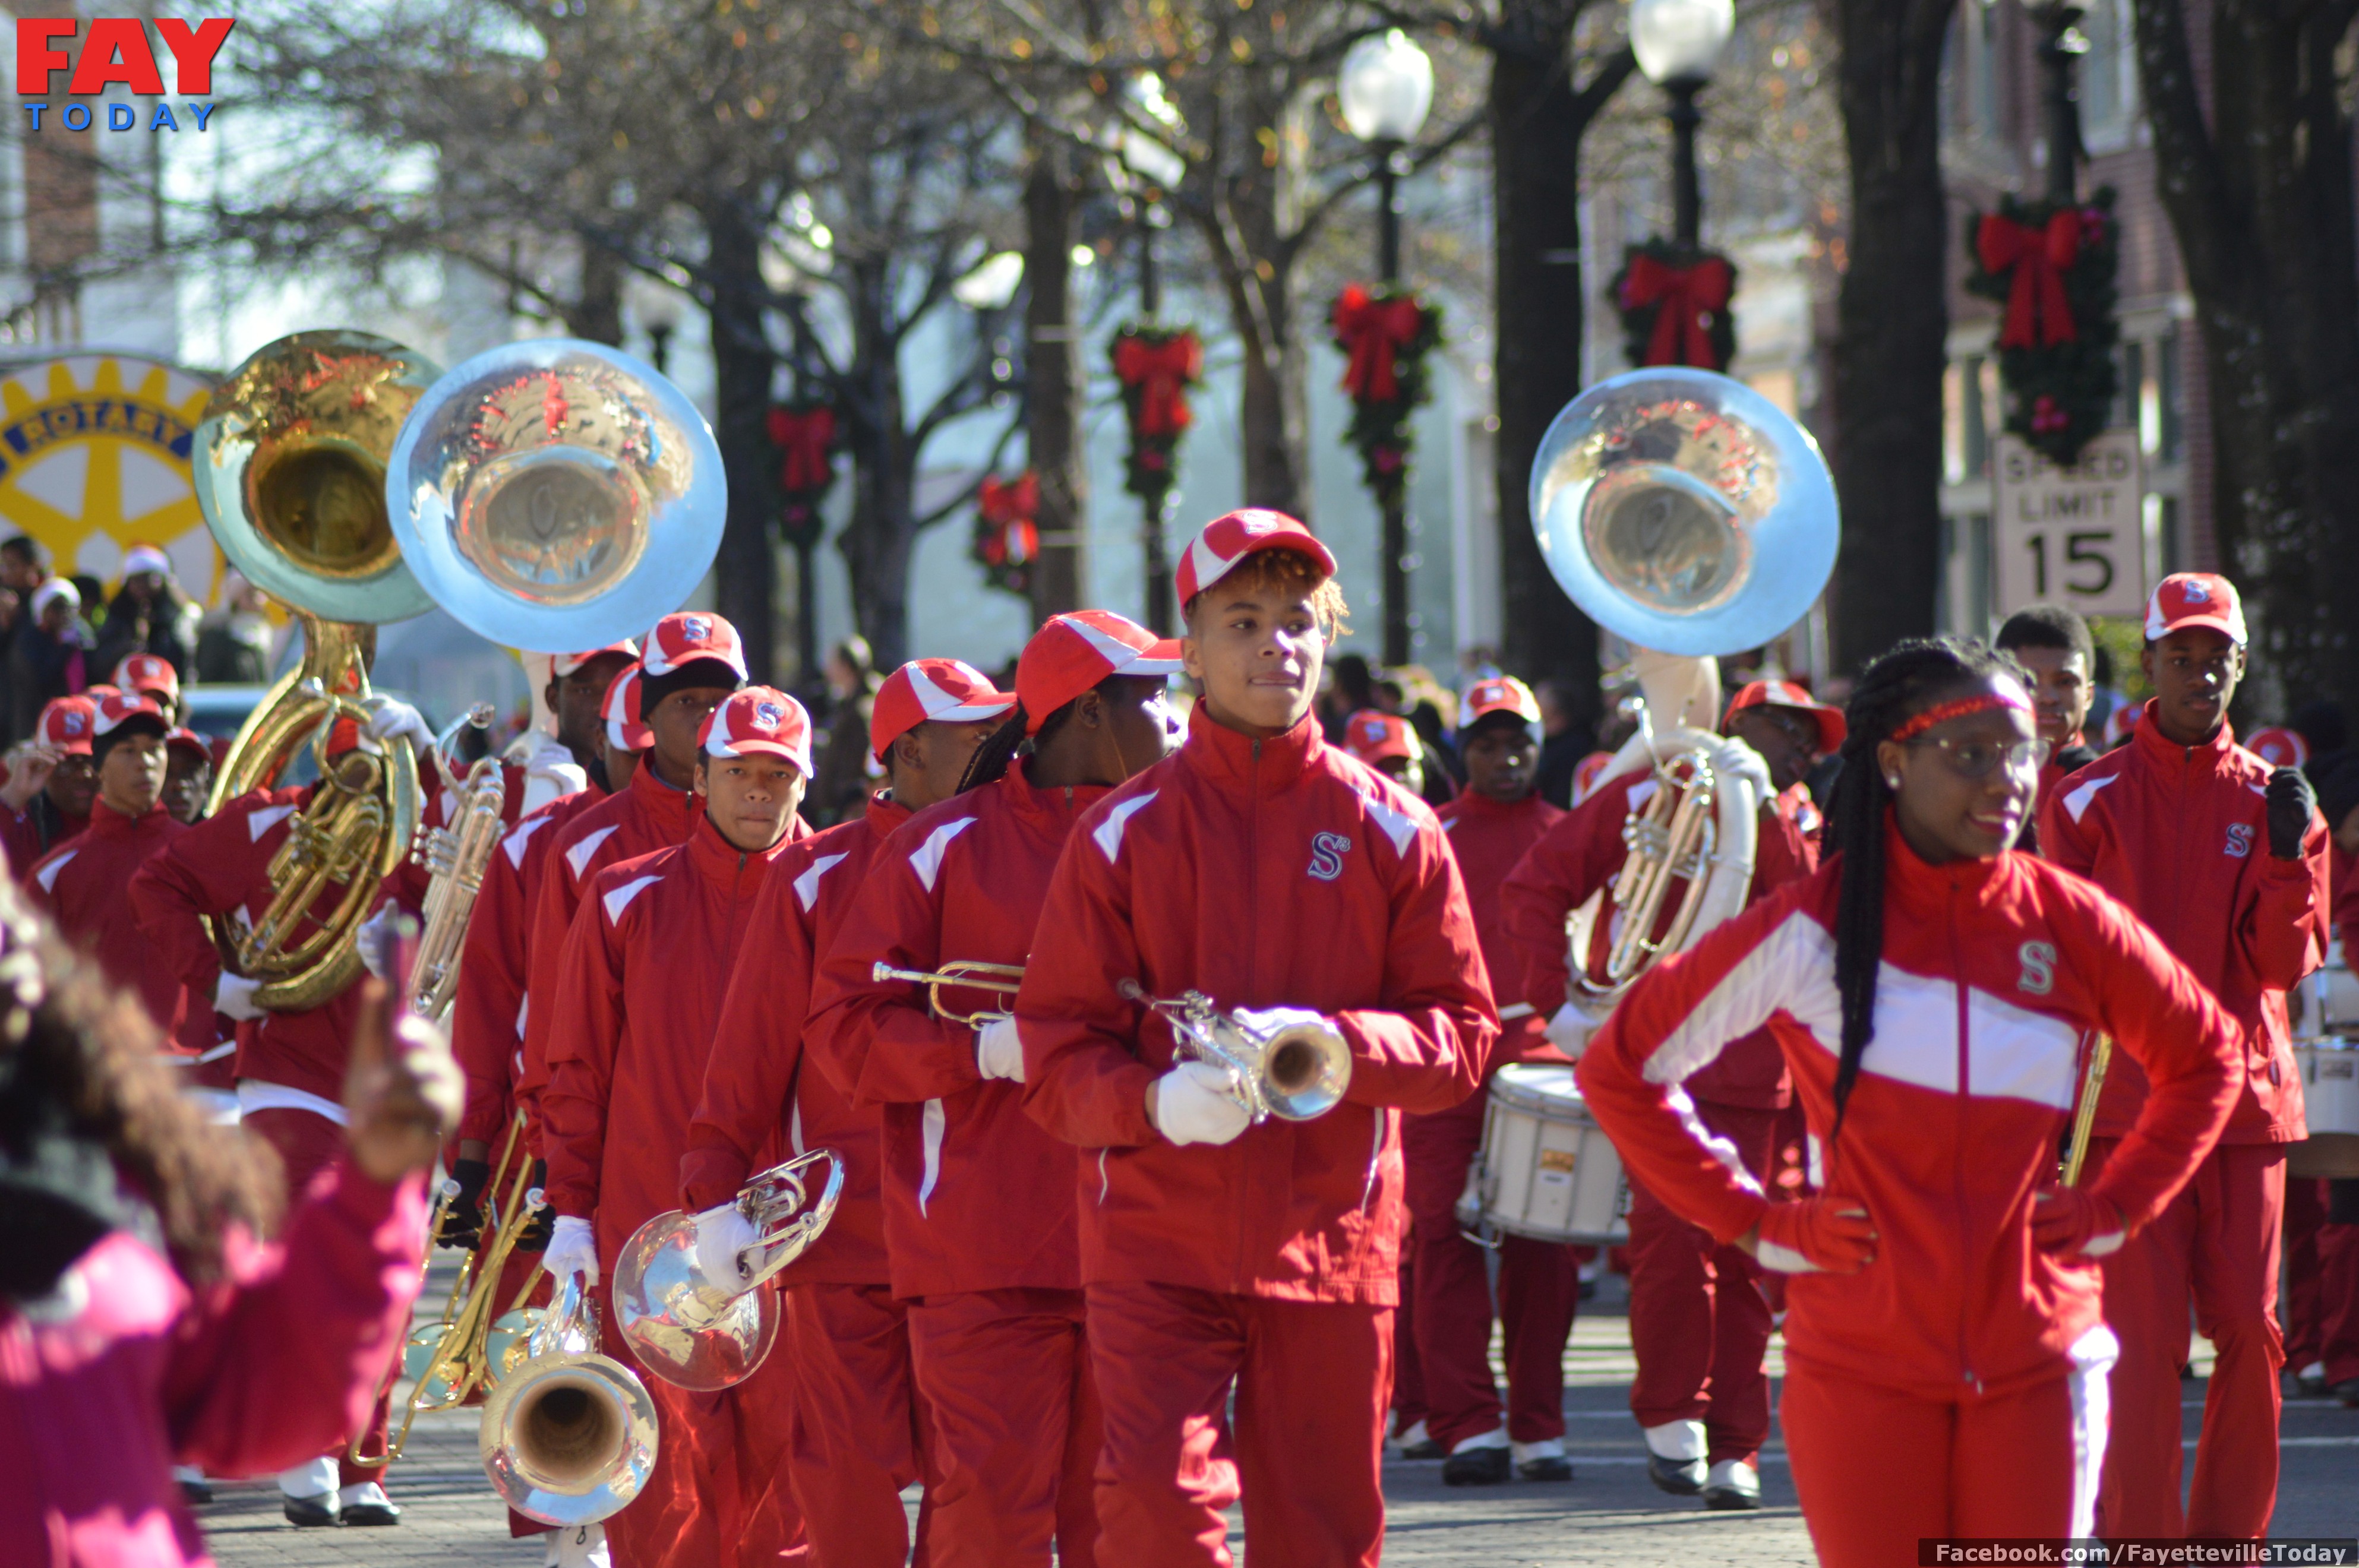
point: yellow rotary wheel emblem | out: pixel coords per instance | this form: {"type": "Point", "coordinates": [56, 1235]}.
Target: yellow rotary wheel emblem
{"type": "Point", "coordinates": [95, 458]}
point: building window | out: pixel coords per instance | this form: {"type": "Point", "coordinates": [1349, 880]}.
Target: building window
{"type": "Point", "coordinates": [2108, 85]}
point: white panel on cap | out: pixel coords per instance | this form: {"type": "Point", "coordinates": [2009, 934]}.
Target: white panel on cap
{"type": "Point", "coordinates": [1207, 561]}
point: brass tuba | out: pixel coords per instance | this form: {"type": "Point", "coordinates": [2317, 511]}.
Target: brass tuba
{"type": "Point", "coordinates": [1688, 514]}
{"type": "Point", "coordinates": [569, 1437]}
{"type": "Point", "coordinates": [1293, 1073]}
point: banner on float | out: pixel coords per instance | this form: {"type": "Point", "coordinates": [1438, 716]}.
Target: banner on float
{"type": "Point", "coordinates": [2074, 537]}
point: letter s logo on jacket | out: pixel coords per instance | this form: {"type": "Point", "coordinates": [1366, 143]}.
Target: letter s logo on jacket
{"type": "Point", "coordinates": [1327, 852]}
{"type": "Point", "coordinates": [2240, 841]}
{"type": "Point", "coordinates": [2038, 968]}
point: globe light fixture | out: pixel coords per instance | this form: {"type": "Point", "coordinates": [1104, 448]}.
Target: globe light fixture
{"type": "Point", "coordinates": [1677, 42]}
{"type": "Point", "coordinates": [1386, 87]}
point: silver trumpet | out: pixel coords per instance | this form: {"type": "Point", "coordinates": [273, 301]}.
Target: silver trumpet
{"type": "Point", "coordinates": [693, 1331]}
{"type": "Point", "coordinates": [569, 1437]}
{"type": "Point", "coordinates": [1293, 1073]}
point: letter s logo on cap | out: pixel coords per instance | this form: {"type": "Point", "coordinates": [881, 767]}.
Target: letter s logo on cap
{"type": "Point", "coordinates": [2196, 593]}
{"type": "Point", "coordinates": [696, 628]}
{"type": "Point", "coordinates": [769, 715]}
{"type": "Point", "coordinates": [1327, 852]}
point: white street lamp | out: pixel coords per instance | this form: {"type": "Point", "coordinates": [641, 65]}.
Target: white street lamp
{"type": "Point", "coordinates": [1386, 86]}
{"type": "Point", "coordinates": [1677, 42]}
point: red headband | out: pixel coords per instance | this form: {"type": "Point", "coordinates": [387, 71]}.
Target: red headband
{"type": "Point", "coordinates": [1942, 712]}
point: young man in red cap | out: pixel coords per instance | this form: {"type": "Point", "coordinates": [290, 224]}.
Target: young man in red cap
{"type": "Point", "coordinates": [858, 1436]}
{"type": "Point", "coordinates": [640, 989]}
{"type": "Point", "coordinates": [2226, 860]}
{"type": "Point", "coordinates": [979, 1200]}
{"type": "Point", "coordinates": [51, 782]}
{"type": "Point", "coordinates": [1699, 1323]}
{"type": "Point", "coordinates": [151, 675]}
{"type": "Point", "coordinates": [1388, 743]}
{"type": "Point", "coordinates": [188, 775]}
{"type": "Point", "coordinates": [1289, 884]}
{"type": "Point", "coordinates": [2054, 644]}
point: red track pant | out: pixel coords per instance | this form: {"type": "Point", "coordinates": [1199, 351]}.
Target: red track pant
{"type": "Point", "coordinates": [1409, 1375]}
{"type": "Point", "coordinates": [1879, 1470]}
{"type": "Point", "coordinates": [1698, 1322]}
{"type": "Point", "coordinates": [1004, 1379]}
{"type": "Point", "coordinates": [2338, 1254]}
{"type": "Point", "coordinates": [858, 1427]}
{"type": "Point", "coordinates": [1312, 1379]}
{"type": "Point", "coordinates": [1539, 1288]}
{"type": "Point", "coordinates": [306, 1142]}
{"type": "Point", "coordinates": [2217, 1245]}
{"type": "Point", "coordinates": [2303, 1309]}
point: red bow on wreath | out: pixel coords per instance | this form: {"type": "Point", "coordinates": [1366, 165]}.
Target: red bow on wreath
{"type": "Point", "coordinates": [1685, 299]}
{"type": "Point", "coordinates": [1374, 330]}
{"type": "Point", "coordinates": [805, 435]}
{"type": "Point", "coordinates": [2037, 311]}
{"type": "Point", "coordinates": [1162, 371]}
{"type": "Point", "coordinates": [1008, 507]}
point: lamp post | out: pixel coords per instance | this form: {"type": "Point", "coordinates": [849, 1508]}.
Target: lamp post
{"type": "Point", "coordinates": [1385, 86]}
{"type": "Point", "coordinates": [2061, 43]}
{"type": "Point", "coordinates": [1677, 42]}
{"type": "Point", "coordinates": [659, 314]}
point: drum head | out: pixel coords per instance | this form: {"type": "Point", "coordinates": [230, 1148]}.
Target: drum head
{"type": "Point", "coordinates": [1544, 1086]}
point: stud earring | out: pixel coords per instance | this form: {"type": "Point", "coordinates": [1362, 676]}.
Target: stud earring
{"type": "Point", "coordinates": [1892, 781]}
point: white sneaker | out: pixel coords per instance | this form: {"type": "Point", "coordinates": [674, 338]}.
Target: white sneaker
{"type": "Point", "coordinates": [579, 1546]}
{"type": "Point", "coordinates": [1682, 1441]}
{"type": "Point", "coordinates": [1733, 1484]}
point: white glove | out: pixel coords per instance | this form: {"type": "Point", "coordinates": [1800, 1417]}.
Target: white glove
{"type": "Point", "coordinates": [1568, 1031]}
{"type": "Point", "coordinates": [389, 717]}
{"type": "Point", "coordinates": [233, 998]}
{"type": "Point", "coordinates": [1194, 1105]}
{"type": "Point", "coordinates": [998, 1054]}
{"type": "Point", "coordinates": [1270, 1020]}
{"type": "Point", "coordinates": [1733, 758]}
{"type": "Point", "coordinates": [723, 1234]}
{"type": "Point", "coordinates": [571, 1250]}
{"type": "Point", "coordinates": [376, 940]}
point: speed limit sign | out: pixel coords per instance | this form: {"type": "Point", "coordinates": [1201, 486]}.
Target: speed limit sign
{"type": "Point", "coordinates": [2075, 535]}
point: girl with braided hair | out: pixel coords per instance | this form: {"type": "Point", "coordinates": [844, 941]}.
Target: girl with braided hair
{"type": "Point", "coordinates": [1930, 987]}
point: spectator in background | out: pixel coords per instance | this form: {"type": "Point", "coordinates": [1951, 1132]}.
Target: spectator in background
{"type": "Point", "coordinates": [846, 771]}
{"type": "Point", "coordinates": [1431, 709]}
{"type": "Point", "coordinates": [2107, 702]}
{"type": "Point", "coordinates": [1564, 740]}
{"type": "Point", "coordinates": [1350, 686]}
{"type": "Point", "coordinates": [20, 573]}
{"type": "Point", "coordinates": [52, 780]}
{"type": "Point", "coordinates": [49, 656]}
{"type": "Point", "coordinates": [233, 641]}
{"type": "Point", "coordinates": [188, 776]}
{"type": "Point", "coordinates": [149, 615]}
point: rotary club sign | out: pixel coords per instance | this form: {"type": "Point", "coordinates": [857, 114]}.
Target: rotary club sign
{"type": "Point", "coordinates": [94, 458]}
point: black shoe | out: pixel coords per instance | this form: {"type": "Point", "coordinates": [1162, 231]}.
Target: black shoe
{"type": "Point", "coordinates": [362, 1515]}
{"type": "Point", "coordinates": [1477, 1467]}
{"type": "Point", "coordinates": [1548, 1467]}
{"type": "Point", "coordinates": [1680, 1477]}
{"type": "Point", "coordinates": [196, 1494]}
{"type": "Point", "coordinates": [313, 1513]}
{"type": "Point", "coordinates": [1429, 1449]}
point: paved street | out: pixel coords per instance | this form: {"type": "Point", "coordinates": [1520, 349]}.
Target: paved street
{"type": "Point", "coordinates": [1609, 1514]}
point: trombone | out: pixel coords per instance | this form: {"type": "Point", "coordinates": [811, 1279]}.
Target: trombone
{"type": "Point", "coordinates": [960, 974]}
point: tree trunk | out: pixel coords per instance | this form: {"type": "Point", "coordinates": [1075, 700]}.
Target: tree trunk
{"type": "Point", "coordinates": [597, 313]}
{"type": "Point", "coordinates": [2260, 202]}
{"type": "Point", "coordinates": [1246, 236]}
{"type": "Point", "coordinates": [746, 588]}
{"type": "Point", "coordinates": [1893, 321]}
{"type": "Point", "coordinates": [1053, 383]}
{"type": "Point", "coordinates": [1538, 119]}
{"type": "Point", "coordinates": [877, 543]}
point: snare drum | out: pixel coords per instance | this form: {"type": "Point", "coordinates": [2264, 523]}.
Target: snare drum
{"type": "Point", "coordinates": [1547, 1170]}
{"type": "Point", "coordinates": [2330, 1088]}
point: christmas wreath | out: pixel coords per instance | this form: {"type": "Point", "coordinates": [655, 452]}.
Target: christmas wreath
{"type": "Point", "coordinates": [1155, 365]}
{"type": "Point", "coordinates": [2052, 266]}
{"type": "Point", "coordinates": [805, 437]}
{"type": "Point", "coordinates": [1386, 336]}
{"type": "Point", "coordinates": [1006, 535]}
{"type": "Point", "coordinates": [1674, 304]}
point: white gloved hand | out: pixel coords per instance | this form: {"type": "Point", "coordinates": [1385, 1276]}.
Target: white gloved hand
{"type": "Point", "coordinates": [571, 1250]}
{"type": "Point", "coordinates": [233, 998]}
{"type": "Point", "coordinates": [376, 940]}
{"type": "Point", "coordinates": [1194, 1105]}
{"type": "Point", "coordinates": [998, 1054]}
{"type": "Point", "coordinates": [1568, 1031]}
{"type": "Point", "coordinates": [389, 717]}
{"type": "Point", "coordinates": [1733, 758]}
{"type": "Point", "coordinates": [723, 1234]}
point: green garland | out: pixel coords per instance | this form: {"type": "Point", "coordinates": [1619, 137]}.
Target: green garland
{"type": "Point", "coordinates": [1155, 366]}
{"type": "Point", "coordinates": [1365, 321]}
{"type": "Point", "coordinates": [2059, 389]}
{"type": "Point", "coordinates": [1636, 292]}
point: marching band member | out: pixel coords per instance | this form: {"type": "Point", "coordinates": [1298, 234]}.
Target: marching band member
{"type": "Point", "coordinates": [978, 1200]}
{"type": "Point", "coordinates": [1946, 1349]}
{"type": "Point", "coordinates": [2053, 643]}
{"type": "Point", "coordinates": [51, 782]}
{"type": "Point", "coordinates": [1698, 1322]}
{"type": "Point", "coordinates": [639, 986]}
{"type": "Point", "coordinates": [151, 675]}
{"type": "Point", "coordinates": [1273, 873]}
{"type": "Point", "coordinates": [858, 1429]}
{"type": "Point", "coordinates": [188, 775]}
{"type": "Point", "coordinates": [2225, 859]}
{"type": "Point", "coordinates": [1498, 818]}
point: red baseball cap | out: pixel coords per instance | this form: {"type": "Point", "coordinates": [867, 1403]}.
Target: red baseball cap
{"type": "Point", "coordinates": [112, 713]}
{"type": "Point", "coordinates": [1073, 651]}
{"type": "Point", "coordinates": [148, 673]}
{"type": "Point", "coordinates": [68, 724]}
{"type": "Point", "coordinates": [689, 635]}
{"type": "Point", "coordinates": [564, 665]}
{"type": "Point", "coordinates": [1227, 540]}
{"type": "Point", "coordinates": [188, 740]}
{"type": "Point", "coordinates": [923, 690]}
{"type": "Point", "coordinates": [759, 719]}
{"type": "Point", "coordinates": [1502, 694]}
{"type": "Point", "coordinates": [1786, 694]}
{"type": "Point", "coordinates": [2280, 748]}
{"type": "Point", "coordinates": [620, 710]}
{"type": "Point", "coordinates": [2195, 598]}
{"type": "Point", "coordinates": [1370, 735]}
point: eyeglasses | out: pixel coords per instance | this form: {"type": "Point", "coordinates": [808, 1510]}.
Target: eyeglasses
{"type": "Point", "coordinates": [1977, 759]}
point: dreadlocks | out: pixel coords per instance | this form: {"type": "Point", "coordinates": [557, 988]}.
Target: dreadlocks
{"type": "Point", "coordinates": [1004, 745]}
{"type": "Point", "coordinates": [1901, 684]}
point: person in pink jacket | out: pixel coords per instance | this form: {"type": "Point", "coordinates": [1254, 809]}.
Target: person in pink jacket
{"type": "Point", "coordinates": [144, 1320]}
{"type": "Point", "coordinates": [1929, 985]}
{"type": "Point", "coordinates": [1284, 880]}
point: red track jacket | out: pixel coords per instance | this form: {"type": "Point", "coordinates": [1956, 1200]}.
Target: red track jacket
{"type": "Point", "coordinates": [2181, 835]}
{"type": "Point", "coordinates": [1264, 873]}
{"type": "Point", "coordinates": [1992, 970]}
{"type": "Point", "coordinates": [640, 987]}
{"type": "Point", "coordinates": [1584, 852]}
{"type": "Point", "coordinates": [977, 1197]}
{"type": "Point", "coordinates": [1488, 840]}
{"type": "Point", "coordinates": [84, 885]}
{"type": "Point", "coordinates": [20, 836]}
{"type": "Point", "coordinates": [760, 1104]}
{"type": "Point", "coordinates": [2344, 879]}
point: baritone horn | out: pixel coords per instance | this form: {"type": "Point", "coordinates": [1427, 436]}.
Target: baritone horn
{"type": "Point", "coordinates": [569, 1437]}
{"type": "Point", "coordinates": [1294, 1074]}
{"type": "Point", "coordinates": [959, 974]}
{"type": "Point", "coordinates": [1690, 515]}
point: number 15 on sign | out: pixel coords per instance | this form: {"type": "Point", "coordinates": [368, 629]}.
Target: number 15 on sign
{"type": "Point", "coordinates": [2071, 536]}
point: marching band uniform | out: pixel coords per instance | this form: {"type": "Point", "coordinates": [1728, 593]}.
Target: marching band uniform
{"type": "Point", "coordinates": [1264, 873]}
{"type": "Point", "coordinates": [2180, 834]}
{"type": "Point", "coordinates": [639, 991]}
{"type": "Point", "coordinates": [859, 1429]}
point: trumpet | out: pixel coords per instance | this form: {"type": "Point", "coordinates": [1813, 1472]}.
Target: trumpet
{"type": "Point", "coordinates": [569, 1437]}
{"type": "Point", "coordinates": [959, 974]}
{"type": "Point", "coordinates": [1294, 1074]}
{"type": "Point", "coordinates": [455, 856]}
